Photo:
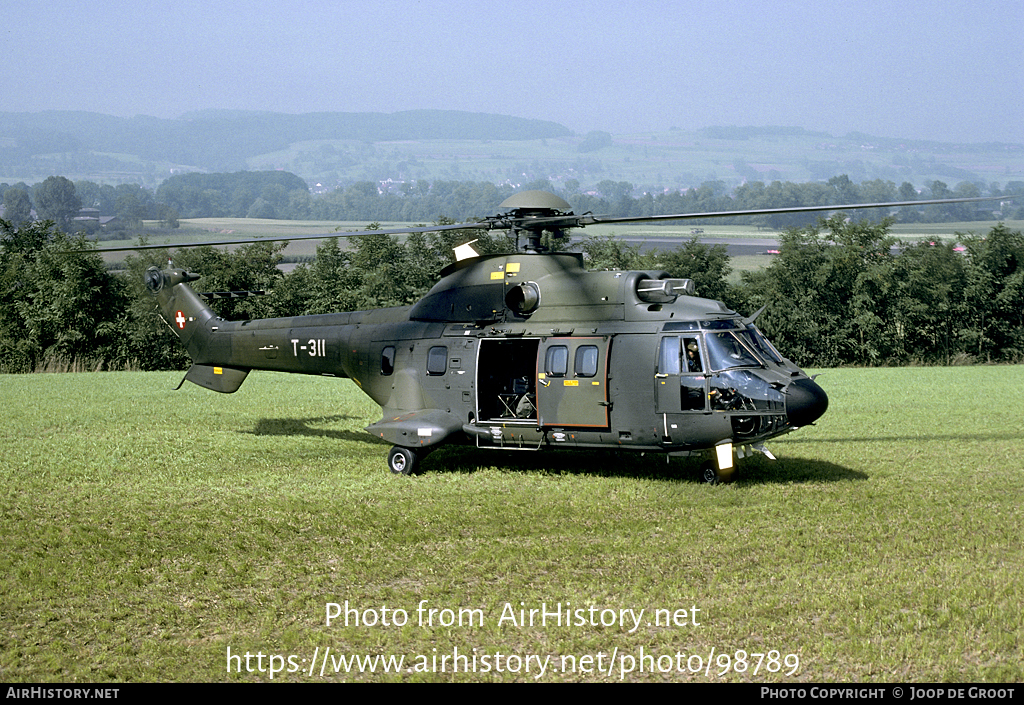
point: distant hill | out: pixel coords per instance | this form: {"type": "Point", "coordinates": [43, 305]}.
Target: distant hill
{"type": "Point", "coordinates": [216, 140]}
{"type": "Point", "coordinates": [329, 150]}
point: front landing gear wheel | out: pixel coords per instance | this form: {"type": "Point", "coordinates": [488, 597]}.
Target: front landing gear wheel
{"type": "Point", "coordinates": [402, 461]}
{"type": "Point", "coordinates": [710, 473]}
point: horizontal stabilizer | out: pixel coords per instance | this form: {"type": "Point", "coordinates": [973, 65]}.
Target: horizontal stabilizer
{"type": "Point", "coordinates": [220, 379]}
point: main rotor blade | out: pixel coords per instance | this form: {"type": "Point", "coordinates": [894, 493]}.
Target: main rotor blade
{"type": "Point", "coordinates": [600, 219]}
{"type": "Point", "coordinates": [537, 223]}
{"type": "Point", "coordinates": [484, 225]}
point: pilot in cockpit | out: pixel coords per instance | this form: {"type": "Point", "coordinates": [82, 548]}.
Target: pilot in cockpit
{"type": "Point", "coordinates": [693, 357]}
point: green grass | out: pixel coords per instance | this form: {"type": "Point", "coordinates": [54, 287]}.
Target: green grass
{"type": "Point", "coordinates": [147, 531]}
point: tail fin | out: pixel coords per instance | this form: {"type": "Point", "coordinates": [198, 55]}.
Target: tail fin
{"type": "Point", "coordinates": [182, 310]}
{"type": "Point", "coordinates": [194, 323]}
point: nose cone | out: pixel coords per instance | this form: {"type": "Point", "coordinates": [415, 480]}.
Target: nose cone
{"type": "Point", "coordinates": [805, 402]}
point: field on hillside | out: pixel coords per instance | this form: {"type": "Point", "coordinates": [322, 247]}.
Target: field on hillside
{"type": "Point", "coordinates": [159, 535]}
{"type": "Point", "coordinates": [671, 159]}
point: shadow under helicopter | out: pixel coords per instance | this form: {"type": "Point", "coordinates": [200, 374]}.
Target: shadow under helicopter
{"type": "Point", "coordinates": [754, 470]}
{"type": "Point", "coordinates": [468, 459]}
{"type": "Point", "coordinates": [602, 463]}
{"type": "Point", "coordinates": [309, 427]}
{"type": "Point", "coordinates": [463, 459]}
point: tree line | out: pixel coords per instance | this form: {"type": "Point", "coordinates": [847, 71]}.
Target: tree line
{"type": "Point", "coordinates": [282, 195]}
{"type": "Point", "coordinates": [422, 201]}
{"type": "Point", "coordinates": [848, 293]}
{"type": "Point", "coordinates": [839, 292]}
{"type": "Point", "coordinates": [62, 201]}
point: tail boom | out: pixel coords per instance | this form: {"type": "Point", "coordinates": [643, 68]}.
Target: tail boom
{"type": "Point", "coordinates": [224, 352]}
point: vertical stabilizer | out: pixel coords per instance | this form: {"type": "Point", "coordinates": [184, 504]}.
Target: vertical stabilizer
{"type": "Point", "coordinates": [182, 310]}
{"type": "Point", "coordinates": [194, 323]}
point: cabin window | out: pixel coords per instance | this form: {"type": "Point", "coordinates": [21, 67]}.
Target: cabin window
{"type": "Point", "coordinates": [437, 360]}
{"type": "Point", "coordinates": [556, 361]}
{"type": "Point", "coordinates": [387, 360]}
{"type": "Point", "coordinates": [586, 361]}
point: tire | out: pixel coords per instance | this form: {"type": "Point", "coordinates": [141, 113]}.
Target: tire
{"type": "Point", "coordinates": [402, 461]}
{"type": "Point", "coordinates": [710, 473]}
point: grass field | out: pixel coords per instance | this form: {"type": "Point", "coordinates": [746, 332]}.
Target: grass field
{"type": "Point", "coordinates": [148, 533]}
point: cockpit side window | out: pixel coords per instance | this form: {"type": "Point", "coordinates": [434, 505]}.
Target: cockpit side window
{"type": "Point", "coordinates": [691, 353]}
{"type": "Point", "coordinates": [668, 355]}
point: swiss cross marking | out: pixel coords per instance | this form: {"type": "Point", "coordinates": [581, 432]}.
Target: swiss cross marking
{"type": "Point", "coordinates": [179, 317]}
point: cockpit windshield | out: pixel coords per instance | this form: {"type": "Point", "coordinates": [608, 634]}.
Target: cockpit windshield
{"type": "Point", "coordinates": [725, 352]}
{"type": "Point", "coordinates": [752, 337]}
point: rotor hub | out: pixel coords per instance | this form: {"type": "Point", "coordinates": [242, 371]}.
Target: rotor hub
{"type": "Point", "coordinates": [536, 212]}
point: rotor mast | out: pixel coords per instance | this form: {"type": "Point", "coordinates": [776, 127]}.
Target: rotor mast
{"type": "Point", "coordinates": [533, 213]}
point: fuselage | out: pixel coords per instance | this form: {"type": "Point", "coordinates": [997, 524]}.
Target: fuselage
{"type": "Point", "coordinates": [527, 351]}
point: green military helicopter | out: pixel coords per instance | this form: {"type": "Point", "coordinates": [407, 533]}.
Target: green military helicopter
{"type": "Point", "coordinates": [530, 351]}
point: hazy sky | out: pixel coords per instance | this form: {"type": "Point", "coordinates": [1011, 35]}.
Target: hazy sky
{"type": "Point", "coordinates": [950, 70]}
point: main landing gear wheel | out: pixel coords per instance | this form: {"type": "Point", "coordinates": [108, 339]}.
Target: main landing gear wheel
{"type": "Point", "coordinates": [402, 461]}
{"type": "Point", "coordinates": [710, 473]}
